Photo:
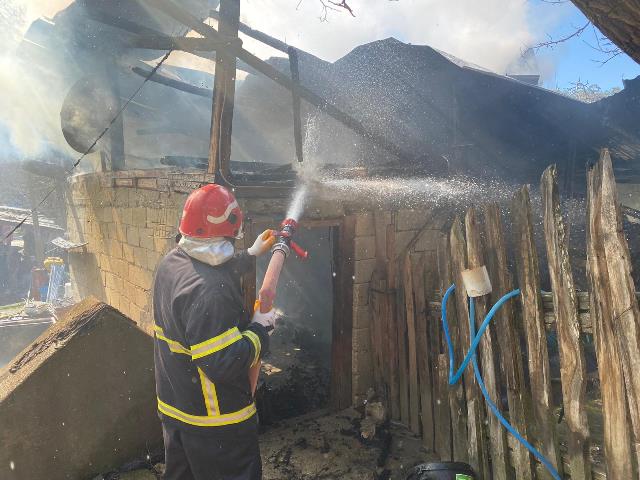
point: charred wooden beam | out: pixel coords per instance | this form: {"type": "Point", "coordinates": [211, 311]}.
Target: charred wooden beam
{"type": "Point", "coordinates": [297, 121]}
{"type": "Point", "coordinates": [175, 11]}
{"type": "Point", "coordinates": [257, 34]}
{"type": "Point", "coordinates": [187, 44]}
{"type": "Point", "coordinates": [170, 82]}
{"type": "Point", "coordinates": [223, 91]}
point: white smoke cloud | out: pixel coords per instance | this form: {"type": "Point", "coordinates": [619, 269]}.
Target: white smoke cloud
{"type": "Point", "coordinates": [490, 33]}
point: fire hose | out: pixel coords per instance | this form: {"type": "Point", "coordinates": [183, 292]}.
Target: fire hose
{"type": "Point", "coordinates": [279, 253]}
{"type": "Point", "coordinates": [471, 356]}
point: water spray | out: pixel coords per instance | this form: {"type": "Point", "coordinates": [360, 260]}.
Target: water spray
{"type": "Point", "coordinates": [279, 252]}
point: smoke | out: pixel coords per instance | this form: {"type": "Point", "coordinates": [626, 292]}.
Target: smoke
{"type": "Point", "coordinates": [490, 33]}
{"type": "Point", "coordinates": [30, 101]}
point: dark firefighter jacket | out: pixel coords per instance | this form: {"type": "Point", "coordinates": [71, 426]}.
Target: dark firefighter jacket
{"type": "Point", "coordinates": [204, 343]}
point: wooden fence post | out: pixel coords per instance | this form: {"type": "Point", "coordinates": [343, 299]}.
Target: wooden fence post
{"type": "Point", "coordinates": [572, 364]}
{"type": "Point", "coordinates": [478, 457]}
{"type": "Point", "coordinates": [487, 347]}
{"type": "Point", "coordinates": [624, 303]}
{"type": "Point", "coordinates": [455, 393]}
{"type": "Point", "coordinates": [509, 341]}
{"type": "Point", "coordinates": [617, 443]}
{"type": "Point", "coordinates": [533, 318]}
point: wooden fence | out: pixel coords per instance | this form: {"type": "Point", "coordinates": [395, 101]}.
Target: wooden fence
{"type": "Point", "coordinates": [583, 436]}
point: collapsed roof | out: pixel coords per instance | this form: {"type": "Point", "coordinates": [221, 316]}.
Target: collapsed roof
{"type": "Point", "coordinates": [447, 115]}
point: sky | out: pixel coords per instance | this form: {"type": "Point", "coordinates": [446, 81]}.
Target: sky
{"type": "Point", "coordinates": [489, 33]}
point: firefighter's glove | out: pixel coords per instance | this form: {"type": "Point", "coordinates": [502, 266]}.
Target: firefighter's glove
{"type": "Point", "coordinates": [263, 243]}
{"type": "Point", "coordinates": [267, 320]}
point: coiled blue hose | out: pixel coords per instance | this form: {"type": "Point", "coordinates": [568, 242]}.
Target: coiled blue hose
{"type": "Point", "coordinates": [471, 356]}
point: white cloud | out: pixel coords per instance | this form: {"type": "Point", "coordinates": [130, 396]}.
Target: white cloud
{"type": "Point", "coordinates": [489, 33]}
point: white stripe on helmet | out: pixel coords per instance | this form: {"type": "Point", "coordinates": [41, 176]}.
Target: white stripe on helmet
{"type": "Point", "coordinates": [222, 218]}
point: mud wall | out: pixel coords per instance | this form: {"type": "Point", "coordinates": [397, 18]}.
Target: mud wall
{"type": "Point", "coordinates": [129, 221]}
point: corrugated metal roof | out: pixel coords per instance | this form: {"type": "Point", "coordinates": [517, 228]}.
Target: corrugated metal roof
{"type": "Point", "coordinates": [14, 215]}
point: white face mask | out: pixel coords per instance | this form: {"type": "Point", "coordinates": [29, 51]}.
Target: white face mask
{"type": "Point", "coordinates": [212, 251]}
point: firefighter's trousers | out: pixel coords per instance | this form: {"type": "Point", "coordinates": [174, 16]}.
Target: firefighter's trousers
{"type": "Point", "coordinates": [220, 453]}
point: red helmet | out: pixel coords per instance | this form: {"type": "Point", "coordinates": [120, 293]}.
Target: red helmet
{"type": "Point", "coordinates": [211, 211]}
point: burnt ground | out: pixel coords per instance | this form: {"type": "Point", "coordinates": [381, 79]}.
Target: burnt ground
{"type": "Point", "coordinates": [317, 447]}
{"type": "Point", "coordinates": [295, 374]}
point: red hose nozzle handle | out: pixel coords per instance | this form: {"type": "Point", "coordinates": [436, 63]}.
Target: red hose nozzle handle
{"type": "Point", "coordinates": [299, 251]}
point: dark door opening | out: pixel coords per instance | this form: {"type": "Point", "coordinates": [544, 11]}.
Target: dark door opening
{"type": "Point", "coordinates": [296, 373]}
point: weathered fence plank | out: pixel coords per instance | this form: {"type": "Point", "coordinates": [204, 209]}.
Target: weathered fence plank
{"type": "Point", "coordinates": [508, 340]}
{"type": "Point", "coordinates": [410, 316]}
{"type": "Point", "coordinates": [457, 402]}
{"type": "Point", "coordinates": [423, 351]}
{"type": "Point", "coordinates": [533, 318]}
{"type": "Point", "coordinates": [441, 409]}
{"type": "Point", "coordinates": [380, 309]}
{"type": "Point", "coordinates": [403, 357]}
{"type": "Point", "coordinates": [392, 285]}
{"type": "Point", "coordinates": [488, 352]}
{"type": "Point", "coordinates": [617, 442]}
{"type": "Point", "coordinates": [572, 363]}
{"type": "Point", "coordinates": [624, 304]}
{"type": "Point", "coordinates": [478, 456]}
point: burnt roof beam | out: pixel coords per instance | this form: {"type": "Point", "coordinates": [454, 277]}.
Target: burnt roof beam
{"type": "Point", "coordinates": [187, 44]}
{"type": "Point", "coordinates": [177, 12]}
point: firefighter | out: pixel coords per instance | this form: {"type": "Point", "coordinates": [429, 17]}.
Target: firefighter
{"type": "Point", "coordinates": [206, 342]}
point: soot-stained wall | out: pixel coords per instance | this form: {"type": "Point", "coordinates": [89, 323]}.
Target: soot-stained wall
{"type": "Point", "coordinates": [129, 221]}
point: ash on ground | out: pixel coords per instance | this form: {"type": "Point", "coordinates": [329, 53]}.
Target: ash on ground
{"type": "Point", "coordinates": [295, 374]}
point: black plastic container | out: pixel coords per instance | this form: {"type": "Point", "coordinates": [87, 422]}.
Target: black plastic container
{"type": "Point", "coordinates": [442, 471]}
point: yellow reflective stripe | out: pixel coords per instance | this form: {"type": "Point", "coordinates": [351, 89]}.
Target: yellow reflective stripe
{"type": "Point", "coordinates": [174, 346]}
{"type": "Point", "coordinates": [209, 394]}
{"type": "Point", "coordinates": [216, 344]}
{"type": "Point", "coordinates": [208, 420]}
{"type": "Point", "coordinates": [256, 344]}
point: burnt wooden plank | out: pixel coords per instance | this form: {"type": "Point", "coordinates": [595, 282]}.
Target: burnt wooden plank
{"type": "Point", "coordinates": [624, 303]}
{"type": "Point", "coordinates": [342, 326]}
{"type": "Point", "coordinates": [478, 455]}
{"type": "Point", "coordinates": [535, 334]}
{"type": "Point", "coordinates": [392, 285]}
{"type": "Point", "coordinates": [423, 353]}
{"type": "Point", "coordinates": [380, 286]}
{"type": "Point", "coordinates": [617, 439]}
{"type": "Point", "coordinates": [442, 413]}
{"type": "Point", "coordinates": [508, 340]}
{"type": "Point", "coordinates": [456, 400]}
{"type": "Point", "coordinates": [412, 360]}
{"type": "Point", "coordinates": [488, 353]}
{"type": "Point", "coordinates": [572, 363]}
{"type": "Point", "coordinates": [403, 355]}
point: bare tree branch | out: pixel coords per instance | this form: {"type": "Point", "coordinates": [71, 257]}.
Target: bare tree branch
{"type": "Point", "coordinates": [552, 42]}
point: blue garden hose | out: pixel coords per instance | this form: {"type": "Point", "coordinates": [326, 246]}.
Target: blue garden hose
{"type": "Point", "coordinates": [471, 356]}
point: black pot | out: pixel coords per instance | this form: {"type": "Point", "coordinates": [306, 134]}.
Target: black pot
{"type": "Point", "coordinates": [442, 471]}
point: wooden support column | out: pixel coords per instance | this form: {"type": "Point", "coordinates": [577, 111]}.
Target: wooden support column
{"type": "Point", "coordinates": [342, 327]}
{"type": "Point", "coordinates": [488, 353]}
{"type": "Point", "coordinates": [224, 93]}
{"type": "Point", "coordinates": [392, 286]}
{"type": "Point", "coordinates": [545, 435]}
{"type": "Point", "coordinates": [572, 363]}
